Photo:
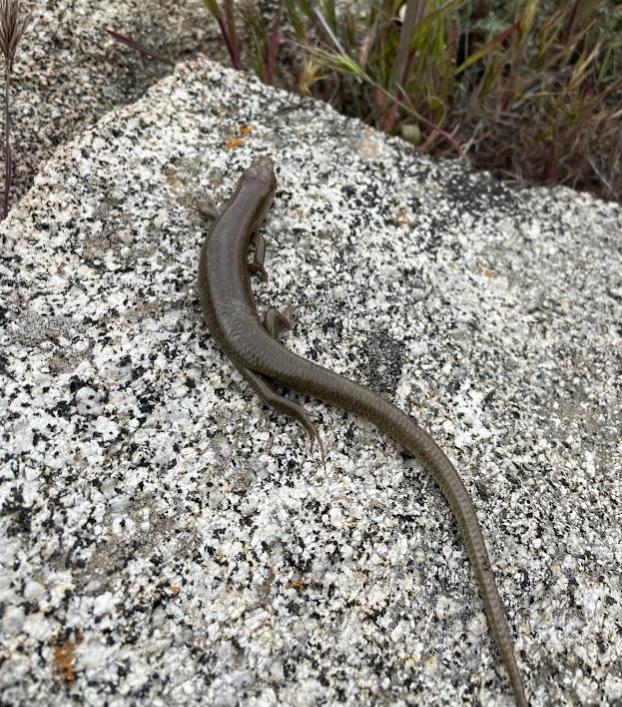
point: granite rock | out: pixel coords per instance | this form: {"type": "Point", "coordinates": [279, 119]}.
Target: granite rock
{"type": "Point", "coordinates": [68, 72]}
{"type": "Point", "coordinates": [166, 540]}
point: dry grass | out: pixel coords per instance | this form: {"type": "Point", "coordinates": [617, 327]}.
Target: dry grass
{"type": "Point", "coordinates": [529, 90]}
{"type": "Point", "coordinates": [14, 19]}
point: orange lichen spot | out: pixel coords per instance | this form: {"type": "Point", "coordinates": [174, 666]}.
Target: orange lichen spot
{"type": "Point", "coordinates": [246, 130]}
{"type": "Point", "coordinates": [297, 584]}
{"type": "Point", "coordinates": [64, 655]}
{"type": "Point", "coordinates": [235, 141]}
{"type": "Point", "coordinates": [486, 272]}
{"type": "Point", "coordinates": [402, 218]}
{"type": "Point", "coordinates": [173, 589]}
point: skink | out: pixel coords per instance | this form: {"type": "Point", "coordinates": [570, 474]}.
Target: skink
{"type": "Point", "coordinates": [254, 348]}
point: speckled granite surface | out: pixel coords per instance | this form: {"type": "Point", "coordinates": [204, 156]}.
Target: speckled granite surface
{"type": "Point", "coordinates": [165, 540]}
{"type": "Point", "coordinates": [68, 72]}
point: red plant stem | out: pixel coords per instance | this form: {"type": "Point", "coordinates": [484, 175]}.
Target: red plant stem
{"type": "Point", "coordinates": [235, 62]}
{"type": "Point", "coordinates": [124, 39]}
{"type": "Point", "coordinates": [393, 113]}
{"type": "Point", "coordinates": [550, 167]}
{"type": "Point", "coordinates": [230, 24]}
{"type": "Point", "coordinates": [272, 49]}
{"type": "Point", "coordinates": [390, 117]}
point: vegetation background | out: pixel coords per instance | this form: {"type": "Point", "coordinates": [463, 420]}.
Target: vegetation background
{"type": "Point", "coordinates": [530, 90]}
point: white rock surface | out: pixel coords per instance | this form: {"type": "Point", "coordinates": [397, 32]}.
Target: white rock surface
{"type": "Point", "coordinates": [165, 540]}
{"type": "Point", "coordinates": [68, 72]}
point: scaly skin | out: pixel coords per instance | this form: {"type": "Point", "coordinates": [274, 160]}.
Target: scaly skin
{"type": "Point", "coordinates": [231, 315]}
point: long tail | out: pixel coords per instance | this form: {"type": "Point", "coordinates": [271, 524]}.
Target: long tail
{"type": "Point", "coordinates": [310, 379]}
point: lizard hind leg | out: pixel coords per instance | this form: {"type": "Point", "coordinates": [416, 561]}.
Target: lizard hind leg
{"type": "Point", "coordinates": [288, 407]}
{"type": "Point", "coordinates": [278, 321]}
{"type": "Point", "coordinates": [257, 265]}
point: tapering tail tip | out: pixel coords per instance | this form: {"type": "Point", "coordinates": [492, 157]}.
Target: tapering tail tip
{"type": "Point", "coordinates": [519, 693]}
